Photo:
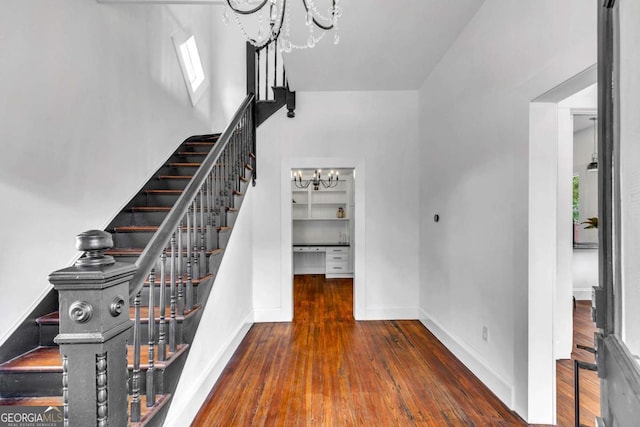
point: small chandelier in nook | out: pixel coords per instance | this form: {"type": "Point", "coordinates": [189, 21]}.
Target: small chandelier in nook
{"type": "Point", "coordinates": [593, 166]}
{"type": "Point", "coordinates": [272, 21]}
{"type": "Point", "coordinates": [330, 182]}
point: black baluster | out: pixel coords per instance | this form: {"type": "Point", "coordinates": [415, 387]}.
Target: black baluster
{"type": "Point", "coordinates": [162, 339]}
{"type": "Point", "coordinates": [172, 297]}
{"type": "Point", "coordinates": [151, 395]}
{"type": "Point", "coordinates": [135, 378]}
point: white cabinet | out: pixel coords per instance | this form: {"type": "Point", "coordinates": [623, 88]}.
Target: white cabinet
{"type": "Point", "coordinates": [332, 261]}
{"type": "Point", "coordinates": [338, 262]}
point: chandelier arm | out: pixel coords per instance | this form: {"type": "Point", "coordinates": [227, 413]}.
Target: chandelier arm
{"type": "Point", "coordinates": [247, 12]}
{"type": "Point", "coordinates": [318, 24]}
{"type": "Point", "coordinates": [277, 33]}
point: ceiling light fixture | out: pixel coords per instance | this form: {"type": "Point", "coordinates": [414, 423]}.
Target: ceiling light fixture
{"type": "Point", "coordinates": [331, 182]}
{"type": "Point", "coordinates": [277, 25]}
{"type": "Point", "coordinates": [593, 166]}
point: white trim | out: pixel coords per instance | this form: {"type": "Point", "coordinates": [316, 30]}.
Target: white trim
{"type": "Point", "coordinates": [358, 243]}
{"type": "Point", "coordinates": [582, 294]}
{"type": "Point", "coordinates": [266, 315]}
{"type": "Point", "coordinates": [183, 412]}
{"type": "Point", "coordinates": [472, 360]}
{"type": "Point", "coordinates": [386, 313]}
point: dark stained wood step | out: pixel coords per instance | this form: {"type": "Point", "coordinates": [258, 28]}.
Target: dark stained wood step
{"type": "Point", "coordinates": [54, 318]}
{"type": "Point", "coordinates": [151, 208]}
{"type": "Point", "coordinates": [195, 280]}
{"type": "Point", "coordinates": [176, 177]}
{"type": "Point", "coordinates": [32, 401]}
{"type": "Point", "coordinates": [144, 228]}
{"type": "Point", "coordinates": [138, 251]}
{"type": "Point", "coordinates": [48, 359]}
{"type": "Point", "coordinates": [193, 153]}
{"type": "Point", "coordinates": [199, 143]}
{"type": "Point", "coordinates": [184, 164]}
{"type": "Point", "coordinates": [162, 191]}
{"type": "Point", "coordinates": [145, 412]}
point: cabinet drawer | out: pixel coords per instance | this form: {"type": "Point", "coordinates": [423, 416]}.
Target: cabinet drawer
{"type": "Point", "coordinates": [338, 267]}
{"type": "Point", "coordinates": [308, 248]}
{"type": "Point", "coordinates": [337, 257]}
{"type": "Point", "coordinates": [338, 250]}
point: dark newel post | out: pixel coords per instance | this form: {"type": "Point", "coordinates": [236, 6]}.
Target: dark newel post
{"type": "Point", "coordinates": [291, 103]}
{"type": "Point", "coordinates": [94, 326]}
{"type": "Point", "coordinates": [251, 68]}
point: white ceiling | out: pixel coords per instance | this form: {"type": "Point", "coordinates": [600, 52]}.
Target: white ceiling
{"type": "Point", "coordinates": [384, 45]}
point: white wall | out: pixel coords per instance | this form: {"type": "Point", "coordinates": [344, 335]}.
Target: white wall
{"type": "Point", "coordinates": [228, 69]}
{"type": "Point", "coordinates": [474, 263]}
{"type": "Point", "coordinates": [585, 272]}
{"type": "Point", "coordinates": [225, 322]}
{"type": "Point", "coordinates": [376, 130]}
{"type": "Point", "coordinates": [93, 100]}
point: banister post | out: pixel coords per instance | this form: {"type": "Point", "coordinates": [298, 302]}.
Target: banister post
{"type": "Point", "coordinates": [94, 322]}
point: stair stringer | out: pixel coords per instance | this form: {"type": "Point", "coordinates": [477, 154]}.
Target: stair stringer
{"type": "Point", "coordinates": [225, 321]}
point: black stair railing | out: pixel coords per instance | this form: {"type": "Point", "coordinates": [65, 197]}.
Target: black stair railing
{"type": "Point", "coordinates": [96, 291]}
{"type": "Point", "coordinates": [267, 79]}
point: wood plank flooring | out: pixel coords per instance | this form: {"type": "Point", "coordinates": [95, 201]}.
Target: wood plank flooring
{"type": "Point", "coordinates": [583, 330]}
{"type": "Point", "coordinates": [325, 369]}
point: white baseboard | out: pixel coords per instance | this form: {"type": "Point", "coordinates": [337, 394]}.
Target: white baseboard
{"type": "Point", "coordinates": [271, 315]}
{"type": "Point", "coordinates": [184, 410]}
{"type": "Point", "coordinates": [582, 294]}
{"type": "Point", "coordinates": [391, 313]}
{"type": "Point", "coordinates": [469, 357]}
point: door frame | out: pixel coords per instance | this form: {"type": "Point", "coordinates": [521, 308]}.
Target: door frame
{"type": "Point", "coordinates": [358, 243]}
{"type": "Point", "coordinates": [619, 372]}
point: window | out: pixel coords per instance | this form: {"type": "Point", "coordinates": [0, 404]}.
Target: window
{"type": "Point", "coordinates": [191, 65]}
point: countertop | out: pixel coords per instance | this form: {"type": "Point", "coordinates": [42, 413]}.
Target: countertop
{"type": "Point", "coordinates": [306, 245]}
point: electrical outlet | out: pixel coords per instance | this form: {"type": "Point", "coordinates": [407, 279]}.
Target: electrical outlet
{"type": "Point", "coordinates": [485, 333]}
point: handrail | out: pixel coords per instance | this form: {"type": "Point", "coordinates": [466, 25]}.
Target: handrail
{"type": "Point", "coordinates": [160, 239]}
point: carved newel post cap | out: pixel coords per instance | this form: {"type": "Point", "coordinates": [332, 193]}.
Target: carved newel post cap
{"type": "Point", "coordinates": [94, 243]}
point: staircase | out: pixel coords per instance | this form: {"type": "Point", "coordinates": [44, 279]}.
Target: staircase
{"type": "Point", "coordinates": [174, 286]}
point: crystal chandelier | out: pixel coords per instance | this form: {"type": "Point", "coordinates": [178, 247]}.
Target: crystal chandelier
{"type": "Point", "coordinates": [272, 21]}
{"type": "Point", "coordinates": [330, 182]}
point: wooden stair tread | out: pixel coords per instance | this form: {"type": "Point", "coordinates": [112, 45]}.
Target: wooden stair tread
{"type": "Point", "coordinates": [48, 359]}
{"type": "Point", "coordinates": [163, 191]}
{"type": "Point", "coordinates": [32, 401]}
{"type": "Point", "coordinates": [184, 164]}
{"type": "Point", "coordinates": [144, 228]}
{"type": "Point", "coordinates": [175, 176]}
{"type": "Point", "coordinates": [147, 412]}
{"type": "Point", "coordinates": [134, 228]}
{"type": "Point", "coordinates": [200, 143]}
{"type": "Point", "coordinates": [54, 317]}
{"type": "Point", "coordinates": [138, 251]}
{"type": "Point", "coordinates": [193, 153]}
{"type": "Point", "coordinates": [151, 208]}
{"type": "Point", "coordinates": [195, 280]}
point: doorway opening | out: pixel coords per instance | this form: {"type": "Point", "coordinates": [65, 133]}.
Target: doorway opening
{"type": "Point", "coordinates": [551, 234]}
{"type": "Point", "coordinates": [323, 222]}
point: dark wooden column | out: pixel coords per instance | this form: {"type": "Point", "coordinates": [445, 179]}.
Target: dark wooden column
{"type": "Point", "coordinates": [94, 325]}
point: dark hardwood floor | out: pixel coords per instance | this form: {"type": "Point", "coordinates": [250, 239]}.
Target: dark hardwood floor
{"type": "Point", "coordinates": [583, 330]}
{"type": "Point", "coordinates": [325, 369]}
